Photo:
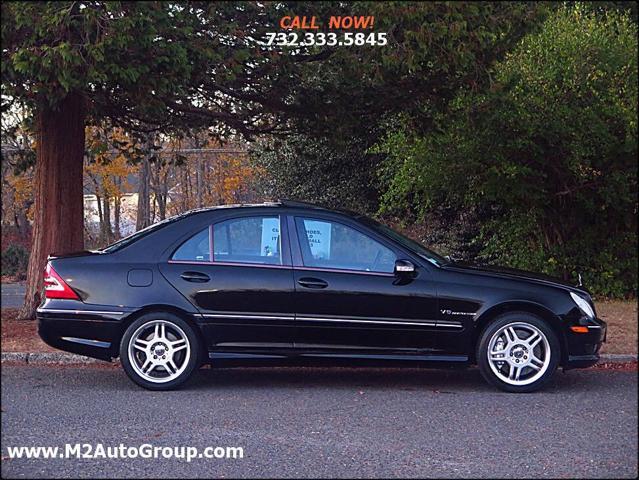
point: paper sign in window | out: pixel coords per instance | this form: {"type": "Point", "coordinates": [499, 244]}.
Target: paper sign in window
{"type": "Point", "coordinates": [319, 238]}
{"type": "Point", "coordinates": [270, 237]}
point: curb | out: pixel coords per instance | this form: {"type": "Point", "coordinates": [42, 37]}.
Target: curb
{"type": "Point", "coordinates": [618, 358]}
{"type": "Point", "coordinates": [71, 358]}
{"type": "Point", "coordinates": [47, 358]}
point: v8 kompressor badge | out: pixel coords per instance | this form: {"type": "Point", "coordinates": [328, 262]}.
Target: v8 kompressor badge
{"type": "Point", "coordinates": [450, 312]}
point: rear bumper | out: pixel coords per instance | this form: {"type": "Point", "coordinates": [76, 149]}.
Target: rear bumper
{"type": "Point", "coordinates": [89, 332]}
{"type": "Point", "coordinates": [583, 348]}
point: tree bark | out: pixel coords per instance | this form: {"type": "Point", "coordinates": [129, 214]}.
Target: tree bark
{"type": "Point", "coordinates": [59, 202]}
{"type": "Point", "coordinates": [199, 169]}
{"type": "Point", "coordinates": [186, 197]}
{"type": "Point", "coordinates": [144, 208]}
{"type": "Point", "coordinates": [161, 203]}
{"type": "Point", "coordinates": [117, 205]}
{"type": "Point", "coordinates": [160, 190]}
{"type": "Point", "coordinates": [106, 232]}
{"type": "Point", "coordinates": [98, 202]}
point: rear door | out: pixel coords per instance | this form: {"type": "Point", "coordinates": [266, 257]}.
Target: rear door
{"type": "Point", "coordinates": [238, 273]}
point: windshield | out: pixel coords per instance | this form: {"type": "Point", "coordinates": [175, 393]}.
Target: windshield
{"type": "Point", "coordinates": [409, 243]}
{"type": "Point", "coordinates": [134, 237]}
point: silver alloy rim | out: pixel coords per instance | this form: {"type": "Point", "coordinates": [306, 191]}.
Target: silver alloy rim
{"type": "Point", "coordinates": [519, 353]}
{"type": "Point", "coordinates": [159, 351]}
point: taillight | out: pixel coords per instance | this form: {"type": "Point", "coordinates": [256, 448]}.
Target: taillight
{"type": "Point", "coordinates": [55, 287]}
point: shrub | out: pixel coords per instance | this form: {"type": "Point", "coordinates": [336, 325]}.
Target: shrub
{"type": "Point", "coordinates": [15, 260]}
{"type": "Point", "coordinates": [547, 155]}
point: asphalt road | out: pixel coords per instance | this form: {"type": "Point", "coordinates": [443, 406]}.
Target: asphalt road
{"type": "Point", "coordinates": [12, 295]}
{"type": "Point", "coordinates": [326, 423]}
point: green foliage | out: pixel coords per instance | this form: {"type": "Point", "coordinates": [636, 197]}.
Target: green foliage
{"type": "Point", "coordinates": [332, 173]}
{"type": "Point", "coordinates": [15, 260]}
{"type": "Point", "coordinates": [434, 49]}
{"type": "Point", "coordinates": [604, 6]}
{"type": "Point", "coordinates": [547, 155]}
{"type": "Point", "coordinates": [149, 64]}
{"type": "Point", "coordinates": [350, 97]}
{"type": "Point", "coordinates": [183, 65]}
{"type": "Point", "coordinates": [531, 160]}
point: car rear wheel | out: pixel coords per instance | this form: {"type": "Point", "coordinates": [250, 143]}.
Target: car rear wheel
{"type": "Point", "coordinates": [159, 351]}
{"type": "Point", "coordinates": [518, 352]}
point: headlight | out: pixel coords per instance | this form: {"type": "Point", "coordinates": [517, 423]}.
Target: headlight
{"type": "Point", "coordinates": [583, 305]}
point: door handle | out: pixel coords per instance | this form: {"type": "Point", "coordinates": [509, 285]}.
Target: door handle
{"type": "Point", "coordinates": [308, 282]}
{"type": "Point", "coordinates": [196, 277]}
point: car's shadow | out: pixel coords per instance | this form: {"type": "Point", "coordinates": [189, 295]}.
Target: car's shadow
{"type": "Point", "coordinates": [337, 377]}
{"type": "Point", "coordinates": [446, 381]}
{"type": "Point", "coordinates": [438, 380]}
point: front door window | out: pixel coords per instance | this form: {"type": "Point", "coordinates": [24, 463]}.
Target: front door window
{"type": "Point", "coordinates": [333, 245]}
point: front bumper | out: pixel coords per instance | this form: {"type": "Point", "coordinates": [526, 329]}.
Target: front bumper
{"type": "Point", "coordinates": [583, 348]}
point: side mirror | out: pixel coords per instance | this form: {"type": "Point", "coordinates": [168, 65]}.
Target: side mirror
{"type": "Point", "coordinates": [404, 268]}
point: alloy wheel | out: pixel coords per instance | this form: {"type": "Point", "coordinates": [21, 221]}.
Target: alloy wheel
{"type": "Point", "coordinates": [159, 351]}
{"type": "Point", "coordinates": [519, 353]}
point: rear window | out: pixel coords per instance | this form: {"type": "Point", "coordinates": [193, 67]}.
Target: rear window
{"type": "Point", "coordinates": [195, 249]}
{"type": "Point", "coordinates": [134, 237]}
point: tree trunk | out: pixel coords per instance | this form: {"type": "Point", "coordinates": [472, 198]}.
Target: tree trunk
{"type": "Point", "coordinates": [199, 169]}
{"type": "Point", "coordinates": [116, 216]}
{"type": "Point", "coordinates": [186, 198]}
{"type": "Point", "coordinates": [98, 203]}
{"type": "Point", "coordinates": [59, 202]}
{"type": "Point", "coordinates": [162, 206]}
{"type": "Point", "coordinates": [160, 190]}
{"type": "Point", "coordinates": [17, 223]}
{"type": "Point", "coordinates": [144, 207]}
{"type": "Point", "coordinates": [106, 232]}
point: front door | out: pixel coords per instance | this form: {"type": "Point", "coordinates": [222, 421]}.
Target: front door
{"type": "Point", "coordinates": [348, 300]}
{"type": "Point", "coordinates": [238, 274]}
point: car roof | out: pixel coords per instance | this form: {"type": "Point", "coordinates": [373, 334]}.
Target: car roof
{"type": "Point", "coordinates": [284, 203]}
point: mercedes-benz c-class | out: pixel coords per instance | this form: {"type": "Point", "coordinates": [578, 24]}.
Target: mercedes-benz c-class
{"type": "Point", "coordinates": [289, 282]}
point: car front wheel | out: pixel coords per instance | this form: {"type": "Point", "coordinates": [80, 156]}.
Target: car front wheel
{"type": "Point", "coordinates": [518, 352]}
{"type": "Point", "coordinates": [159, 351]}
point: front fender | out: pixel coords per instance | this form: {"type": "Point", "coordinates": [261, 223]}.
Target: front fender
{"type": "Point", "coordinates": [487, 313]}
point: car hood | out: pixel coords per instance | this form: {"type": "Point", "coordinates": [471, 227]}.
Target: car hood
{"type": "Point", "coordinates": [512, 273]}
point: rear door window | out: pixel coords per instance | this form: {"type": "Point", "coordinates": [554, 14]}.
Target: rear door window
{"type": "Point", "coordinates": [251, 240]}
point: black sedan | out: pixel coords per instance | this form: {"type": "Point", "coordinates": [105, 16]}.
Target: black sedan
{"type": "Point", "coordinates": [295, 283]}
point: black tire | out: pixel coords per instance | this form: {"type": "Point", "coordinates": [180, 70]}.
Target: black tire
{"type": "Point", "coordinates": [518, 318]}
{"type": "Point", "coordinates": [188, 366]}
